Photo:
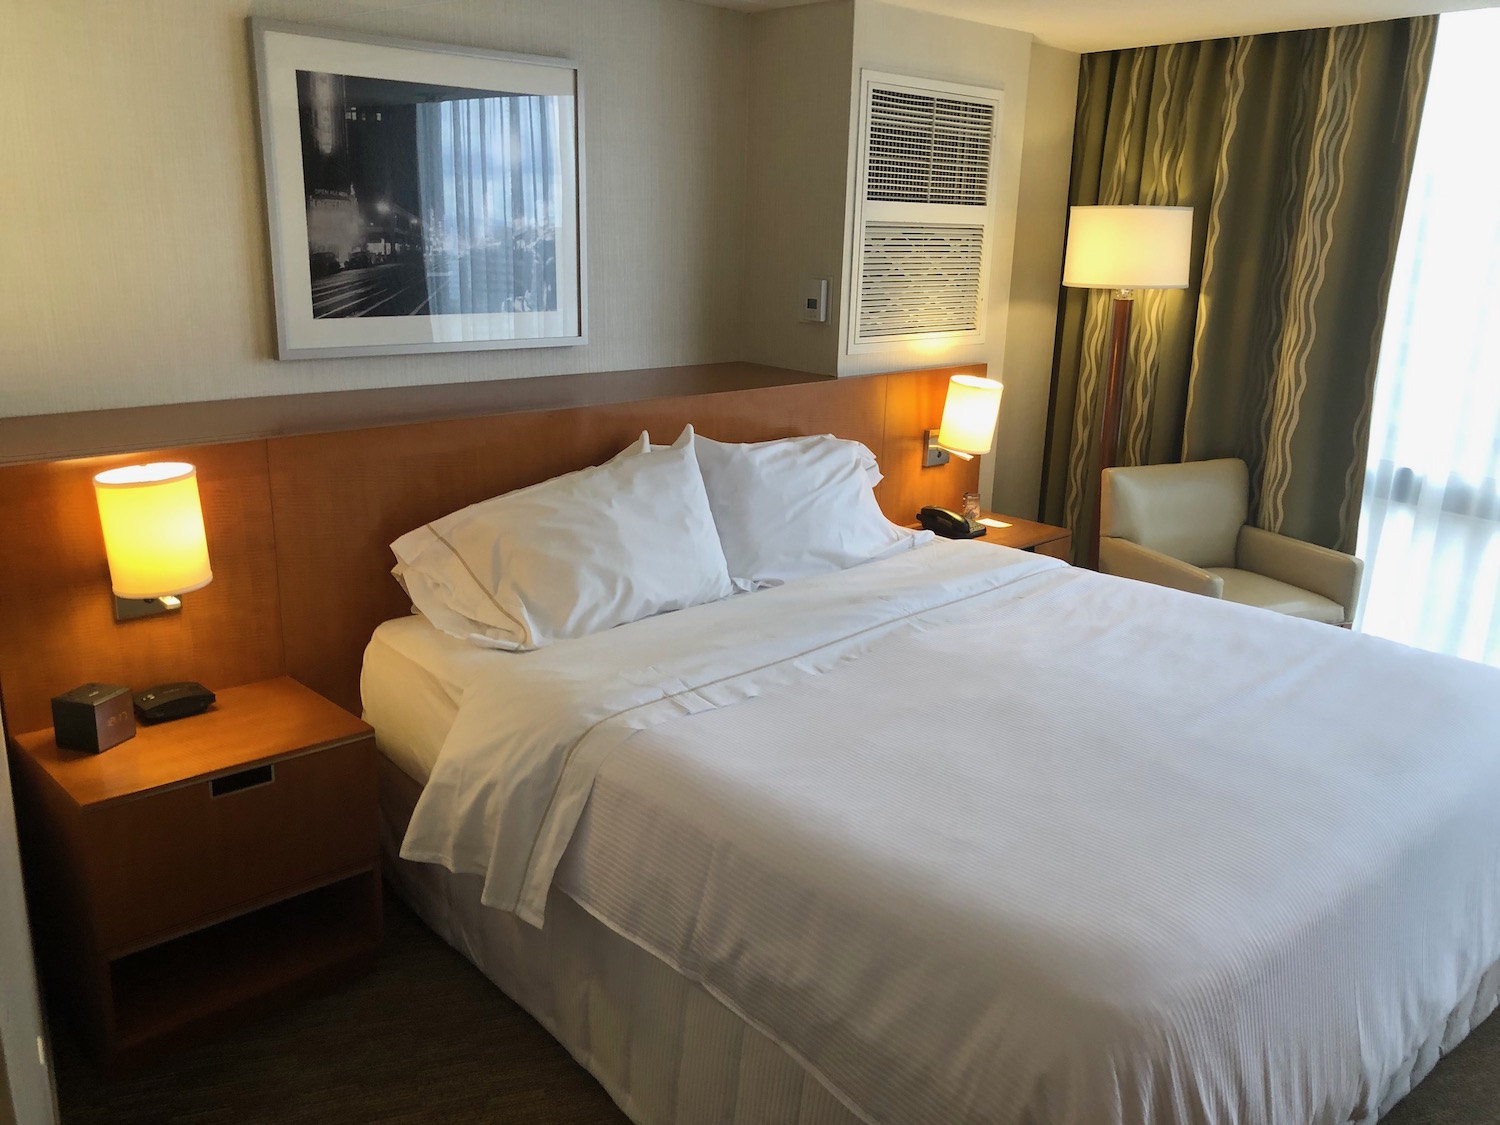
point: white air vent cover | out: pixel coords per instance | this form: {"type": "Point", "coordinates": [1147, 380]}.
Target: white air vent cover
{"type": "Point", "coordinates": [928, 149]}
{"type": "Point", "coordinates": [923, 211]}
{"type": "Point", "coordinates": [924, 278]}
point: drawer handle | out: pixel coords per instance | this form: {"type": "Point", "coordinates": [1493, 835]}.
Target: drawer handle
{"type": "Point", "coordinates": [245, 779]}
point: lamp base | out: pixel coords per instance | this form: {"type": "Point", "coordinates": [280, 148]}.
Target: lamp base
{"type": "Point", "coordinates": [933, 454]}
{"type": "Point", "coordinates": [131, 609]}
{"type": "Point", "coordinates": [1109, 429]}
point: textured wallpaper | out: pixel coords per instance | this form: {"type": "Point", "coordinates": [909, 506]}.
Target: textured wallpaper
{"type": "Point", "coordinates": [134, 267]}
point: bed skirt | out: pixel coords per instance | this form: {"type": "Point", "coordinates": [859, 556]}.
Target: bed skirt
{"type": "Point", "coordinates": [662, 1047]}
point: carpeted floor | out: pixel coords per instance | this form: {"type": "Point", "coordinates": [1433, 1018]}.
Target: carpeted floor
{"type": "Point", "coordinates": [426, 1039]}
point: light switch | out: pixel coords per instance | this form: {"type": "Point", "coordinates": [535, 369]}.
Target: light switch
{"type": "Point", "coordinates": [813, 300]}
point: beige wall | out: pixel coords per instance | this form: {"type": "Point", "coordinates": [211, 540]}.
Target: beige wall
{"type": "Point", "coordinates": [1035, 281]}
{"type": "Point", "coordinates": [135, 267]}
{"type": "Point", "coordinates": [25, 1080]}
{"type": "Point", "coordinates": [719, 157]}
{"type": "Point", "coordinates": [800, 66]}
{"type": "Point", "coordinates": [7, 1111]}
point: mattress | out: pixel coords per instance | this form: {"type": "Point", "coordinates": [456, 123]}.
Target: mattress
{"type": "Point", "coordinates": [411, 683]}
{"type": "Point", "coordinates": [972, 836]}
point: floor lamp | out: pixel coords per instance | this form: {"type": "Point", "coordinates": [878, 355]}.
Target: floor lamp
{"type": "Point", "coordinates": [1124, 249]}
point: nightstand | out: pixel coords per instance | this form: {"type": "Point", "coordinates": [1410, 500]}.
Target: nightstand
{"type": "Point", "coordinates": [204, 870]}
{"type": "Point", "coordinates": [1027, 535]}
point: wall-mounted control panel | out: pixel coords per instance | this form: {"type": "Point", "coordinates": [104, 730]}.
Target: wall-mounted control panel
{"type": "Point", "coordinates": [812, 300]}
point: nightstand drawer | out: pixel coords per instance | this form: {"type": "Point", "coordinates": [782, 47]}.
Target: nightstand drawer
{"type": "Point", "coordinates": [179, 857]}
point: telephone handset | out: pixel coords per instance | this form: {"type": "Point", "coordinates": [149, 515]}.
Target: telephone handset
{"type": "Point", "coordinates": [950, 525]}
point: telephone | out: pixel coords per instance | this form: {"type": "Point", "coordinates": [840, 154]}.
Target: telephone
{"type": "Point", "coordinates": [166, 702]}
{"type": "Point", "coordinates": [950, 525]}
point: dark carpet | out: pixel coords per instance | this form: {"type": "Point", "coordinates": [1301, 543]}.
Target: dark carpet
{"type": "Point", "coordinates": [425, 1038]}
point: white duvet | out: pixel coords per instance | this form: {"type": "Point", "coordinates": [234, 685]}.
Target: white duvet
{"type": "Point", "coordinates": [983, 838]}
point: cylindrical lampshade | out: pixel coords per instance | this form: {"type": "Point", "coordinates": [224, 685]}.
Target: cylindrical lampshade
{"type": "Point", "coordinates": [1129, 247]}
{"type": "Point", "coordinates": [969, 414]}
{"type": "Point", "coordinates": [153, 529]}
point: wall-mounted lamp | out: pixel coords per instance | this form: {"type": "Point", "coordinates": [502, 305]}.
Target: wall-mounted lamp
{"type": "Point", "coordinates": [153, 536]}
{"type": "Point", "coordinates": [969, 415]}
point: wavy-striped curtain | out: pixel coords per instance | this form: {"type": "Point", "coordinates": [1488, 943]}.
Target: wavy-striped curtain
{"type": "Point", "coordinates": [1295, 151]}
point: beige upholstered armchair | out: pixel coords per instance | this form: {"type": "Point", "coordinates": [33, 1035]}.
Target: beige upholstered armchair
{"type": "Point", "coordinates": [1184, 526]}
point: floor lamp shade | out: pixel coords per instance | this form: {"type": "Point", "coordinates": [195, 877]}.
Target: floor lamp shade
{"type": "Point", "coordinates": [1129, 248]}
{"type": "Point", "coordinates": [1124, 249]}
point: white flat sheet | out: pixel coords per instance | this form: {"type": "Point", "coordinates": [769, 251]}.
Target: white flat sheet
{"type": "Point", "coordinates": [987, 839]}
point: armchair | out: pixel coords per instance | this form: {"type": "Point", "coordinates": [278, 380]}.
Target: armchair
{"type": "Point", "coordinates": [1184, 526]}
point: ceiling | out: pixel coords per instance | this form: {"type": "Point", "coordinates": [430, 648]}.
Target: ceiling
{"type": "Point", "coordinates": [1102, 25]}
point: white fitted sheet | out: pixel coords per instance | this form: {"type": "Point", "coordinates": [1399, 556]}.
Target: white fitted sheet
{"type": "Point", "coordinates": [411, 683]}
{"type": "Point", "coordinates": [1165, 859]}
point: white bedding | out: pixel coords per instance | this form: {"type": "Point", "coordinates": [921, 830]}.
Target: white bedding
{"type": "Point", "coordinates": [412, 681]}
{"type": "Point", "coordinates": [979, 837]}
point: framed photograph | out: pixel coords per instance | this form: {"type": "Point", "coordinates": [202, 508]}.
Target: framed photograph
{"type": "Point", "coordinates": [420, 197]}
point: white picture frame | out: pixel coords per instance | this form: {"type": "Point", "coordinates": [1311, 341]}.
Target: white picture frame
{"type": "Point", "coordinates": [420, 197]}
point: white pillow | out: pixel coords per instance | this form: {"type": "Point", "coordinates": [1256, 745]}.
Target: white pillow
{"type": "Point", "coordinates": [571, 556]}
{"type": "Point", "coordinates": [797, 507]}
{"type": "Point", "coordinates": [860, 450]}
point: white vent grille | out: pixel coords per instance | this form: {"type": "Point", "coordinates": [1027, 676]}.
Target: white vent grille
{"type": "Point", "coordinates": [923, 213]}
{"type": "Point", "coordinates": [920, 278]}
{"type": "Point", "coordinates": [928, 149]}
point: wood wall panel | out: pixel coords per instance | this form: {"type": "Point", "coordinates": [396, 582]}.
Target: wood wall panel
{"type": "Point", "coordinates": [299, 528]}
{"type": "Point", "coordinates": [57, 626]}
{"type": "Point", "coordinates": [914, 404]}
{"type": "Point", "coordinates": [89, 433]}
{"type": "Point", "coordinates": [361, 491]}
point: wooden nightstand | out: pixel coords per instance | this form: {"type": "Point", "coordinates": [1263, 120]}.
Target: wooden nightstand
{"type": "Point", "coordinates": [204, 870]}
{"type": "Point", "coordinates": [1027, 535]}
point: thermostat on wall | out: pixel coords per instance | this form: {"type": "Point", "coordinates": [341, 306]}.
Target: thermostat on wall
{"type": "Point", "coordinates": [813, 295]}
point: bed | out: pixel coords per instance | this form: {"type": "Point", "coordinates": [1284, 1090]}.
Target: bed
{"type": "Point", "coordinates": [961, 835]}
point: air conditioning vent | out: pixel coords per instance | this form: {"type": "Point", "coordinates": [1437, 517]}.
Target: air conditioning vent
{"type": "Point", "coordinates": [920, 279]}
{"type": "Point", "coordinates": [923, 212]}
{"type": "Point", "coordinates": [928, 149]}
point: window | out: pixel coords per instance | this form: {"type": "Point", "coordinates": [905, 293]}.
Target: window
{"type": "Point", "coordinates": [1430, 524]}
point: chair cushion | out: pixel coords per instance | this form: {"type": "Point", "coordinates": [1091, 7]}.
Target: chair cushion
{"type": "Point", "coordinates": [1193, 511]}
{"type": "Point", "coordinates": [1248, 588]}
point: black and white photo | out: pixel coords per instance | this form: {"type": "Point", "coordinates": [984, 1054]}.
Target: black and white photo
{"type": "Point", "coordinates": [427, 214]}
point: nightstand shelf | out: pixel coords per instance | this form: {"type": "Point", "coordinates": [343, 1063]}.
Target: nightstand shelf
{"type": "Point", "coordinates": [203, 870]}
{"type": "Point", "coordinates": [168, 993]}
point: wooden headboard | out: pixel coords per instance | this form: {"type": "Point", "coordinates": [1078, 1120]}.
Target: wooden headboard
{"type": "Point", "coordinates": [299, 527]}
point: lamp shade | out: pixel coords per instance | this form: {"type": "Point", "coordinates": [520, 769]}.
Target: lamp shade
{"type": "Point", "coordinates": [153, 529]}
{"type": "Point", "coordinates": [1129, 247]}
{"type": "Point", "coordinates": [969, 414]}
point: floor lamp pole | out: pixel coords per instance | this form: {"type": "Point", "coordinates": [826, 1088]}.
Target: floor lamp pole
{"type": "Point", "coordinates": [1109, 432]}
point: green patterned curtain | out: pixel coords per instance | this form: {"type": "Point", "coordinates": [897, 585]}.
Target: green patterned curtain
{"type": "Point", "coordinates": [1295, 151]}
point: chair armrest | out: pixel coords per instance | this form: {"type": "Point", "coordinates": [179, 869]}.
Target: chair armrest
{"type": "Point", "coordinates": [1131, 560]}
{"type": "Point", "coordinates": [1333, 574]}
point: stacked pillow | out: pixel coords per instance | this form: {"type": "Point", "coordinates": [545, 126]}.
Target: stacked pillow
{"type": "Point", "coordinates": [797, 507]}
{"type": "Point", "coordinates": [652, 530]}
{"type": "Point", "coordinates": [571, 556]}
